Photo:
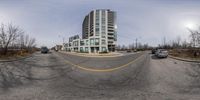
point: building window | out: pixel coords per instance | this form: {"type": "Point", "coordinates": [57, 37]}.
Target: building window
{"type": "Point", "coordinates": [97, 29]}
{"type": "Point", "coordinates": [103, 18]}
{"type": "Point", "coordinates": [103, 28]}
{"type": "Point", "coordinates": [97, 20]}
{"type": "Point", "coordinates": [87, 42]}
{"type": "Point", "coordinates": [97, 17]}
{"type": "Point", "coordinates": [91, 34]}
{"type": "Point", "coordinates": [91, 41]}
{"type": "Point", "coordinates": [97, 34]}
{"type": "Point", "coordinates": [73, 44]}
{"type": "Point", "coordinates": [103, 36]}
{"type": "Point", "coordinates": [110, 42]}
{"type": "Point", "coordinates": [76, 43]}
{"type": "Point", "coordinates": [97, 24]}
{"type": "Point", "coordinates": [96, 41]}
{"type": "Point", "coordinates": [103, 42]}
{"type": "Point", "coordinates": [86, 49]}
{"type": "Point", "coordinates": [81, 49]}
{"type": "Point", "coordinates": [97, 12]}
{"type": "Point", "coordinates": [81, 43]}
{"type": "Point", "coordinates": [103, 13]}
{"type": "Point", "coordinates": [103, 49]}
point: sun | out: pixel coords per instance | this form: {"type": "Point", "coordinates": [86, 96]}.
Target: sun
{"type": "Point", "coordinates": [190, 25]}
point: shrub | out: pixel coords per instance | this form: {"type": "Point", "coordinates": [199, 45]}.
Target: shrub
{"type": "Point", "coordinates": [103, 52]}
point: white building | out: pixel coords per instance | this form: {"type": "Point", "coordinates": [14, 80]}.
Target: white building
{"type": "Point", "coordinates": [98, 33]}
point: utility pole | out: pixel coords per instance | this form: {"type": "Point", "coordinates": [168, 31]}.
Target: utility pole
{"type": "Point", "coordinates": [63, 40]}
{"type": "Point", "coordinates": [164, 45]}
{"type": "Point", "coordinates": [136, 43]}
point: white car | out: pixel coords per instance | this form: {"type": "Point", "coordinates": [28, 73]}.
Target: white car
{"type": "Point", "coordinates": [161, 53]}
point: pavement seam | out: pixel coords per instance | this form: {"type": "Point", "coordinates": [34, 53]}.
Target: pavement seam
{"type": "Point", "coordinates": [103, 70]}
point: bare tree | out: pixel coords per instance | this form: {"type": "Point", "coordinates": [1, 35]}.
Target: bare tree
{"type": "Point", "coordinates": [164, 41]}
{"type": "Point", "coordinates": [195, 37]}
{"type": "Point", "coordinates": [123, 47]}
{"type": "Point", "coordinates": [178, 41]}
{"type": "Point", "coordinates": [26, 42]}
{"type": "Point", "coordinates": [184, 44]}
{"type": "Point", "coordinates": [118, 47]}
{"type": "Point", "coordinates": [8, 35]}
{"type": "Point", "coordinates": [21, 41]}
{"type": "Point", "coordinates": [31, 42]}
{"type": "Point", "coordinates": [12, 37]}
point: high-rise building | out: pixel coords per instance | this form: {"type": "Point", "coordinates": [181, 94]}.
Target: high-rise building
{"type": "Point", "coordinates": [100, 25]}
{"type": "Point", "coordinates": [99, 32]}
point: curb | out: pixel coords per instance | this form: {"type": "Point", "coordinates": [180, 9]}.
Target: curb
{"type": "Point", "coordinates": [20, 58]}
{"type": "Point", "coordinates": [186, 60]}
{"type": "Point", "coordinates": [97, 56]}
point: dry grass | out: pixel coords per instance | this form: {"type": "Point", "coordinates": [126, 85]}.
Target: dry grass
{"type": "Point", "coordinates": [185, 53]}
{"type": "Point", "coordinates": [15, 54]}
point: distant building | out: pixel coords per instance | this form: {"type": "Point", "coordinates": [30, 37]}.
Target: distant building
{"type": "Point", "coordinates": [58, 47]}
{"type": "Point", "coordinates": [98, 33]}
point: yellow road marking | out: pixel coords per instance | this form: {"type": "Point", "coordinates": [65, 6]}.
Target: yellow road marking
{"type": "Point", "coordinates": [102, 70]}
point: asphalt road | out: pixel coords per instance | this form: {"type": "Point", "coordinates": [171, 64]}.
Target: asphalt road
{"type": "Point", "coordinates": [57, 76]}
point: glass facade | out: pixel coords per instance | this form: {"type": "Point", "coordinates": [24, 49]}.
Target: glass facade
{"type": "Point", "coordinates": [87, 42]}
{"type": "Point", "coordinates": [103, 42]}
{"type": "Point", "coordinates": [97, 41]}
{"type": "Point", "coordinates": [97, 23]}
{"type": "Point", "coordinates": [81, 49]}
{"type": "Point", "coordinates": [104, 49]}
{"type": "Point", "coordinates": [82, 43]}
{"type": "Point", "coordinates": [91, 41]}
{"type": "Point", "coordinates": [86, 49]}
{"type": "Point", "coordinates": [103, 23]}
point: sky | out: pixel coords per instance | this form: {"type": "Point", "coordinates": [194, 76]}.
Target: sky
{"type": "Point", "coordinates": [150, 21]}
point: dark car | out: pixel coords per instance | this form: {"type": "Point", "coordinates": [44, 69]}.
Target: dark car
{"type": "Point", "coordinates": [128, 51]}
{"type": "Point", "coordinates": [153, 51]}
{"type": "Point", "coordinates": [44, 50]}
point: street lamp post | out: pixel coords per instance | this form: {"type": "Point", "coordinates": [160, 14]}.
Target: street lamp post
{"type": "Point", "coordinates": [136, 42]}
{"type": "Point", "coordinates": [63, 40]}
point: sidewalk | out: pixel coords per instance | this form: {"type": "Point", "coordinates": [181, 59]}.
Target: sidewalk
{"type": "Point", "coordinates": [112, 54]}
{"type": "Point", "coordinates": [183, 59]}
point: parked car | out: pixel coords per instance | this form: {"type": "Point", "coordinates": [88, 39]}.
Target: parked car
{"type": "Point", "coordinates": [161, 53]}
{"type": "Point", "coordinates": [44, 50]}
{"type": "Point", "coordinates": [128, 51]}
